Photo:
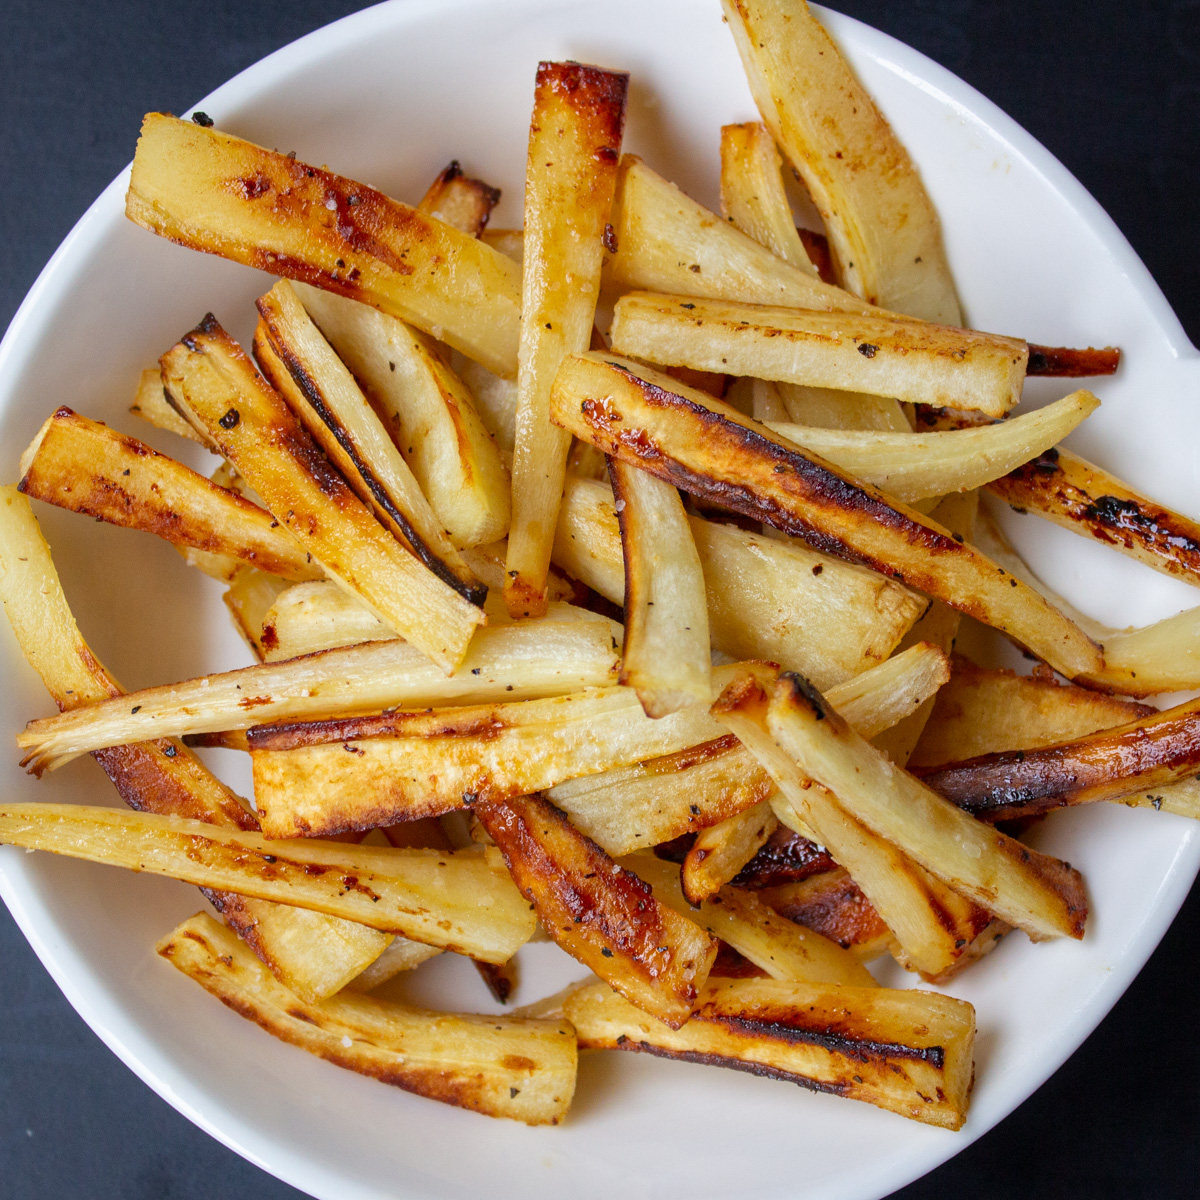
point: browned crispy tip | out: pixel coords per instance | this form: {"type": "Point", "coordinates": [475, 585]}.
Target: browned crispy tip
{"type": "Point", "coordinates": [1066, 362]}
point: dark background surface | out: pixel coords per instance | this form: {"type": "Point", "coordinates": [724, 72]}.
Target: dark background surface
{"type": "Point", "coordinates": [1113, 89]}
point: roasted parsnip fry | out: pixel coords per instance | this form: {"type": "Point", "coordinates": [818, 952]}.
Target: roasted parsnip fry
{"type": "Point", "coordinates": [752, 195]}
{"type": "Point", "coordinates": [216, 193]}
{"type": "Point", "coordinates": [721, 851]}
{"type": "Point", "coordinates": [883, 230]}
{"type": "Point", "coordinates": [982, 711]}
{"type": "Point", "coordinates": [570, 176]}
{"type": "Point", "coordinates": [311, 953]}
{"type": "Point", "coordinates": [309, 617]}
{"type": "Point", "coordinates": [427, 411]}
{"type": "Point", "coordinates": [1143, 756]}
{"type": "Point", "coordinates": [354, 773]}
{"type": "Point", "coordinates": [252, 594]}
{"type": "Point", "coordinates": [151, 404]}
{"type": "Point", "coordinates": [666, 242]}
{"type": "Point", "coordinates": [709, 449]}
{"type": "Point", "coordinates": [505, 663]}
{"type": "Point", "coordinates": [1163, 657]}
{"type": "Point", "coordinates": [909, 1052]}
{"type": "Point", "coordinates": [831, 408]}
{"type": "Point", "coordinates": [462, 901]}
{"type": "Point", "coordinates": [939, 625]}
{"type": "Point", "coordinates": [833, 904]}
{"type": "Point", "coordinates": [881, 355]}
{"type": "Point", "coordinates": [401, 955]}
{"type": "Point", "coordinates": [777, 946]}
{"type": "Point", "coordinates": [464, 203]}
{"type": "Point", "coordinates": [86, 467]}
{"type": "Point", "coordinates": [767, 599]}
{"type": "Point", "coordinates": [654, 801]}
{"type": "Point", "coordinates": [666, 658]}
{"type": "Point", "coordinates": [1032, 891]}
{"type": "Point", "coordinates": [253, 427]}
{"type": "Point", "coordinates": [785, 857]}
{"type": "Point", "coordinates": [913, 466]}
{"type": "Point", "coordinates": [319, 388]}
{"type": "Point", "coordinates": [500, 1066]}
{"type": "Point", "coordinates": [1081, 497]}
{"type": "Point", "coordinates": [600, 913]}
{"type": "Point", "coordinates": [932, 925]}
{"type": "Point", "coordinates": [495, 401]}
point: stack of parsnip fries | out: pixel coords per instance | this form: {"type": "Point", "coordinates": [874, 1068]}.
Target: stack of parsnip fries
{"type": "Point", "coordinates": [639, 636]}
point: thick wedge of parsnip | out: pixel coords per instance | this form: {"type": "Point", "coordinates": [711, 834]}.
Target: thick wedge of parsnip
{"type": "Point", "coordinates": [752, 193]}
{"type": "Point", "coordinates": [88, 468]}
{"type": "Point", "coordinates": [706, 447]}
{"type": "Point", "coordinates": [666, 657]}
{"type": "Point", "coordinates": [666, 242]}
{"type": "Point", "coordinates": [909, 1052]}
{"type": "Point", "coordinates": [213, 192]}
{"type": "Point", "coordinates": [570, 176]}
{"type": "Point", "coordinates": [908, 360]}
{"type": "Point", "coordinates": [599, 912]}
{"type": "Point", "coordinates": [883, 230]}
{"type": "Point", "coordinates": [499, 1066]}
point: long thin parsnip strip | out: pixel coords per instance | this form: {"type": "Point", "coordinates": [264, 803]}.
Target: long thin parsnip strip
{"type": "Point", "coordinates": [462, 901]}
{"type": "Point", "coordinates": [325, 396]}
{"type": "Point", "coordinates": [213, 192]}
{"type": "Point", "coordinates": [666, 657]}
{"type": "Point", "coordinates": [831, 408]}
{"type": "Point", "coordinates": [666, 242]}
{"type": "Point", "coordinates": [500, 1066]}
{"type": "Point", "coordinates": [914, 466]}
{"type": "Point", "coordinates": [883, 229]}
{"type": "Point", "coordinates": [212, 377]}
{"type": "Point", "coordinates": [85, 467]}
{"type": "Point", "coordinates": [1087, 500]}
{"type": "Point", "coordinates": [426, 409]}
{"type": "Point", "coordinates": [312, 954]}
{"type": "Point", "coordinates": [570, 176]}
{"type": "Point", "coordinates": [505, 663]}
{"type": "Point", "coordinates": [752, 194]}
{"type": "Point", "coordinates": [704, 446]}
{"type": "Point", "coordinates": [600, 913]}
{"type": "Point", "coordinates": [767, 599]}
{"type": "Point", "coordinates": [882, 355]}
{"type": "Point", "coordinates": [910, 1052]}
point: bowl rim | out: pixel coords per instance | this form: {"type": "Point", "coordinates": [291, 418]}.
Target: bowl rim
{"type": "Point", "coordinates": [294, 1165]}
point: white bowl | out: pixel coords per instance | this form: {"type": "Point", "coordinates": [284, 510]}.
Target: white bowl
{"type": "Point", "coordinates": [389, 95]}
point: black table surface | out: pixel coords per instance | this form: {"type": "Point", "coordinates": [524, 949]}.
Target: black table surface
{"type": "Point", "coordinates": [1113, 89]}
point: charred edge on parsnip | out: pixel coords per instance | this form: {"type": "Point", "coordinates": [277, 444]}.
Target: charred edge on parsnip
{"type": "Point", "coordinates": [1149, 753]}
{"type": "Point", "coordinates": [474, 592]}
